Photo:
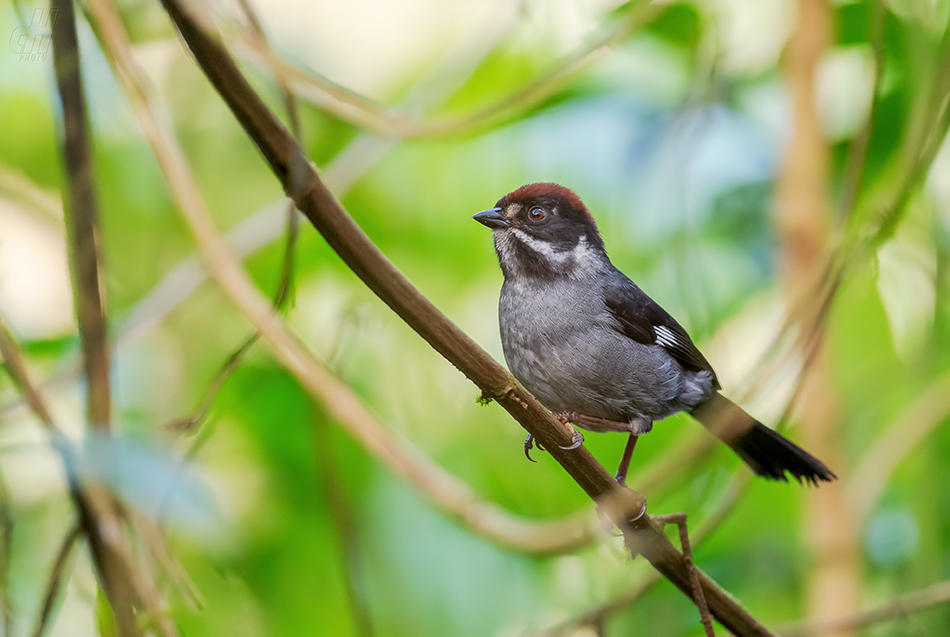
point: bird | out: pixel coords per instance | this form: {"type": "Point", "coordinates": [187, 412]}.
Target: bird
{"type": "Point", "coordinates": [597, 351]}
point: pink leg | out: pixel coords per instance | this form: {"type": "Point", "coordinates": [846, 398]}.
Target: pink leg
{"type": "Point", "coordinates": [621, 476]}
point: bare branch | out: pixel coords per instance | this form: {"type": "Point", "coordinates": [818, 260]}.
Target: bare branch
{"type": "Point", "coordinates": [82, 228]}
{"type": "Point", "coordinates": [364, 258]}
{"type": "Point", "coordinates": [733, 494]}
{"type": "Point", "coordinates": [6, 551]}
{"type": "Point", "coordinates": [804, 225]}
{"type": "Point", "coordinates": [56, 579]}
{"type": "Point", "coordinates": [679, 519]}
{"type": "Point", "coordinates": [858, 150]}
{"type": "Point", "coordinates": [441, 488]}
{"type": "Point", "coordinates": [230, 365]}
{"type": "Point", "coordinates": [16, 368]}
{"type": "Point", "coordinates": [905, 432]}
{"type": "Point", "coordinates": [81, 215]}
{"type": "Point", "coordinates": [95, 507]}
{"type": "Point", "coordinates": [284, 293]}
{"type": "Point", "coordinates": [907, 603]}
{"type": "Point", "coordinates": [363, 112]}
{"type": "Point", "coordinates": [18, 186]}
{"type": "Point", "coordinates": [923, 148]}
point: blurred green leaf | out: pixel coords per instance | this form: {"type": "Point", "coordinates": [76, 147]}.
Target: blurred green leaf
{"type": "Point", "coordinates": [105, 620]}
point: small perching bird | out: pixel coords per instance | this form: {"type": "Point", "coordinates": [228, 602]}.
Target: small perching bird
{"type": "Point", "coordinates": [600, 353]}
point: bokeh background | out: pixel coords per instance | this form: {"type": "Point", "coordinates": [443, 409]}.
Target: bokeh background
{"type": "Point", "coordinates": [772, 172]}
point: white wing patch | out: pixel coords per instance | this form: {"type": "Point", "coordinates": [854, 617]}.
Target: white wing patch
{"type": "Point", "coordinates": [666, 337]}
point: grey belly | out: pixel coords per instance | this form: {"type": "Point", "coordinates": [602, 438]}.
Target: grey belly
{"type": "Point", "coordinates": [596, 372]}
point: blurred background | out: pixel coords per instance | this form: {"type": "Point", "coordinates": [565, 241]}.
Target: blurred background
{"type": "Point", "coordinates": [773, 173]}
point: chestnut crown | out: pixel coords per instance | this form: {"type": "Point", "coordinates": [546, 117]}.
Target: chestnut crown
{"type": "Point", "coordinates": [550, 212]}
{"type": "Point", "coordinates": [543, 229]}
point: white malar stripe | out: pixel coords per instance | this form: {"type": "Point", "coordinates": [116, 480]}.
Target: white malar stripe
{"type": "Point", "coordinates": [579, 254]}
{"type": "Point", "coordinates": [541, 247]}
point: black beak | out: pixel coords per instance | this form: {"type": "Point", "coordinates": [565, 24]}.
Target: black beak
{"type": "Point", "coordinates": [493, 218]}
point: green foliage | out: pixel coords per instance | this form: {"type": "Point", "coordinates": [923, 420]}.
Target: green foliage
{"type": "Point", "coordinates": [679, 24]}
{"type": "Point", "coordinates": [676, 138]}
{"type": "Point", "coordinates": [105, 620]}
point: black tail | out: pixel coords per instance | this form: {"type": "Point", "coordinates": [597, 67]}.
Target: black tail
{"type": "Point", "coordinates": [768, 453]}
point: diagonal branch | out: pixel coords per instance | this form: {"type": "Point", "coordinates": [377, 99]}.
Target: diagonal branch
{"type": "Point", "coordinates": [81, 215]}
{"type": "Point", "coordinates": [6, 552]}
{"type": "Point", "coordinates": [284, 293]}
{"type": "Point", "coordinates": [81, 223]}
{"type": "Point", "coordinates": [96, 507]}
{"type": "Point", "coordinates": [443, 490]}
{"type": "Point", "coordinates": [361, 111]}
{"type": "Point", "coordinates": [912, 602]}
{"type": "Point", "coordinates": [124, 586]}
{"type": "Point", "coordinates": [628, 597]}
{"type": "Point", "coordinates": [905, 432]}
{"type": "Point", "coordinates": [18, 187]}
{"type": "Point", "coordinates": [56, 579]}
{"type": "Point", "coordinates": [364, 258]}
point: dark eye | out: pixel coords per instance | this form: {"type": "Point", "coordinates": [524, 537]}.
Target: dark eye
{"type": "Point", "coordinates": [537, 214]}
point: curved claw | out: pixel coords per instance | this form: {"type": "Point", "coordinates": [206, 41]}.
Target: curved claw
{"type": "Point", "coordinates": [577, 439]}
{"type": "Point", "coordinates": [528, 445]}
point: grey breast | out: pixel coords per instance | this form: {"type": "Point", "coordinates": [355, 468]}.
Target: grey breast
{"type": "Point", "coordinates": [562, 343]}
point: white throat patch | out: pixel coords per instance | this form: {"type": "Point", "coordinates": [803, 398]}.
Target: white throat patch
{"type": "Point", "coordinates": [580, 256]}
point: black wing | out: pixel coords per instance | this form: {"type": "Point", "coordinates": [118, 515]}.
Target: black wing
{"type": "Point", "coordinates": [641, 319]}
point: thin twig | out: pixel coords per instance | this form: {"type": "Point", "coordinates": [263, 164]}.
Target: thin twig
{"type": "Point", "coordinates": [157, 545]}
{"type": "Point", "coordinates": [81, 216]}
{"type": "Point", "coordinates": [850, 246]}
{"type": "Point", "coordinates": [599, 615]}
{"type": "Point", "coordinates": [734, 492]}
{"type": "Point", "coordinates": [6, 551]}
{"type": "Point", "coordinates": [858, 151]}
{"type": "Point", "coordinates": [937, 110]}
{"type": "Point", "coordinates": [356, 109]}
{"type": "Point", "coordinates": [679, 519]}
{"type": "Point", "coordinates": [82, 228]}
{"type": "Point", "coordinates": [912, 602]}
{"type": "Point", "coordinates": [859, 240]}
{"type": "Point", "coordinates": [56, 579]}
{"type": "Point", "coordinates": [198, 415]}
{"type": "Point", "coordinates": [19, 187]}
{"type": "Point", "coordinates": [96, 515]}
{"type": "Point", "coordinates": [365, 259]}
{"type": "Point", "coordinates": [284, 293]}
{"type": "Point", "coordinates": [907, 430]}
{"type": "Point", "coordinates": [442, 489]}
{"type": "Point", "coordinates": [201, 438]}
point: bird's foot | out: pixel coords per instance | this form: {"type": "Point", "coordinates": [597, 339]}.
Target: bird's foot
{"type": "Point", "coordinates": [577, 438]}
{"type": "Point", "coordinates": [529, 444]}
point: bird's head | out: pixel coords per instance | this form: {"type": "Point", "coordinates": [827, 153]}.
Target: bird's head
{"type": "Point", "coordinates": [545, 231]}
